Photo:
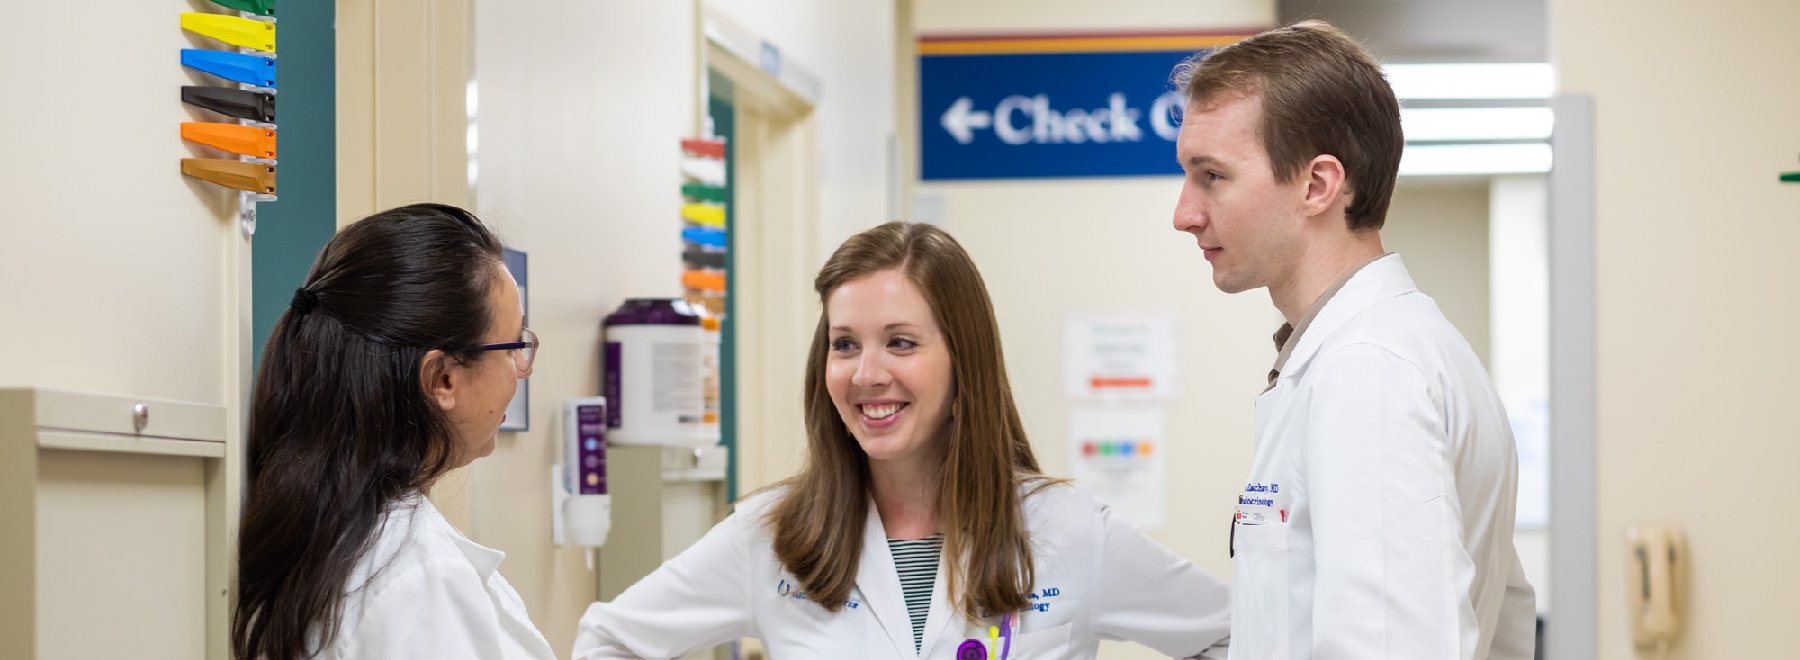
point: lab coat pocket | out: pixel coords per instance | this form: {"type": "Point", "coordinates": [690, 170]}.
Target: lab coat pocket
{"type": "Point", "coordinates": [1046, 644]}
{"type": "Point", "coordinates": [1259, 592]}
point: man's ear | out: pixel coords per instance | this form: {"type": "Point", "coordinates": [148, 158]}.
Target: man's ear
{"type": "Point", "coordinates": [438, 377]}
{"type": "Point", "coordinates": [1325, 184]}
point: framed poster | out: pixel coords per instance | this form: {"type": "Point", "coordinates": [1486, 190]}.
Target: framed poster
{"type": "Point", "coordinates": [518, 411]}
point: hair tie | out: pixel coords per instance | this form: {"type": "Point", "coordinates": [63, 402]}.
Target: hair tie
{"type": "Point", "coordinates": [304, 300]}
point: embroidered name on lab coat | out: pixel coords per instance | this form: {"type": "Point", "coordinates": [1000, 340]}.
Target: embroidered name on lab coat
{"type": "Point", "coordinates": [1040, 599]}
{"type": "Point", "coordinates": [1262, 503]}
{"type": "Point", "coordinates": [787, 589]}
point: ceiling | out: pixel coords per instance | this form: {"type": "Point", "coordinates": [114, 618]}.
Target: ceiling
{"type": "Point", "coordinates": [1435, 30]}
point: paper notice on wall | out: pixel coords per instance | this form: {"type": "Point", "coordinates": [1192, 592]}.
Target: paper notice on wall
{"type": "Point", "coordinates": [1119, 357]}
{"type": "Point", "coordinates": [1116, 453]}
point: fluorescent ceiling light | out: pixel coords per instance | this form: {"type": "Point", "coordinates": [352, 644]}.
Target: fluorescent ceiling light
{"type": "Point", "coordinates": [1472, 124]}
{"type": "Point", "coordinates": [1471, 81]}
{"type": "Point", "coordinates": [1474, 159]}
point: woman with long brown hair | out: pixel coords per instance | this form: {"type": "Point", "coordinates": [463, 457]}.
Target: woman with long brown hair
{"type": "Point", "coordinates": [920, 525]}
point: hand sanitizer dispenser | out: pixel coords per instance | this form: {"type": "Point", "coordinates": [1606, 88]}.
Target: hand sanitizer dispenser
{"type": "Point", "coordinates": [583, 510]}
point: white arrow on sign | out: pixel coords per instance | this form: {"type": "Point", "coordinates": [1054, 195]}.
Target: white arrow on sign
{"type": "Point", "coordinates": [958, 120]}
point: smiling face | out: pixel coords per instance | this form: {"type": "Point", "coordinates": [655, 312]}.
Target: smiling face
{"type": "Point", "coordinates": [1246, 222]}
{"type": "Point", "coordinates": [888, 370]}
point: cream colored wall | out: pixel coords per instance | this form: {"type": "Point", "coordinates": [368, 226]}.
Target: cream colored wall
{"type": "Point", "coordinates": [580, 108]}
{"type": "Point", "coordinates": [1050, 248]}
{"type": "Point", "coordinates": [849, 46]}
{"type": "Point", "coordinates": [775, 219]}
{"type": "Point", "coordinates": [116, 265]}
{"type": "Point", "coordinates": [579, 119]}
{"type": "Point", "coordinates": [402, 73]}
{"type": "Point", "coordinates": [123, 276]}
{"type": "Point", "coordinates": [1076, 246]}
{"type": "Point", "coordinates": [1440, 228]}
{"type": "Point", "coordinates": [1696, 286]}
{"type": "Point", "coordinates": [841, 148]}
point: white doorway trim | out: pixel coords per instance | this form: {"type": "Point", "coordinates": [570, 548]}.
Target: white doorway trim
{"type": "Point", "coordinates": [1569, 627]}
{"type": "Point", "coordinates": [775, 225]}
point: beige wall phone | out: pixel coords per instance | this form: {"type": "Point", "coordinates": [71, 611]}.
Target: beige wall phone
{"type": "Point", "coordinates": [1657, 559]}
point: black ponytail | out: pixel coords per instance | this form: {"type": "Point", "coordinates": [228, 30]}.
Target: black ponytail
{"type": "Point", "coordinates": [340, 424]}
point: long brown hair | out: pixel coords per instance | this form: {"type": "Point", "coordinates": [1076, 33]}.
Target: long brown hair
{"type": "Point", "coordinates": [819, 524]}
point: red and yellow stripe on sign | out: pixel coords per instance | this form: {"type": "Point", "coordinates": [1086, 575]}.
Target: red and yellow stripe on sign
{"type": "Point", "coordinates": [1077, 42]}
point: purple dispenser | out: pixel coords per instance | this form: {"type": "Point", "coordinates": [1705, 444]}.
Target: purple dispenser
{"type": "Point", "coordinates": [653, 376]}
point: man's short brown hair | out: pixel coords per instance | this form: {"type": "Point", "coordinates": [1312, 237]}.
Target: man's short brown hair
{"type": "Point", "coordinates": [1322, 94]}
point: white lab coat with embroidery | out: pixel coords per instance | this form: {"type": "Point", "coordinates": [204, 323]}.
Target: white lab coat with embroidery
{"type": "Point", "coordinates": [424, 591]}
{"type": "Point", "coordinates": [1377, 521]}
{"type": "Point", "coordinates": [1098, 577]}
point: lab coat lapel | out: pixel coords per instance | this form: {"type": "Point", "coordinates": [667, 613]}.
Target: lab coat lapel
{"type": "Point", "coordinates": [879, 583]}
{"type": "Point", "coordinates": [1381, 280]}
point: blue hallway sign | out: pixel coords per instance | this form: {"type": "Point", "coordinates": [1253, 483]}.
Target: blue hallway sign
{"type": "Point", "coordinates": [1048, 115]}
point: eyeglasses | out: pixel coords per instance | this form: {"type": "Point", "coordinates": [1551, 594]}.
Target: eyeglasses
{"type": "Point", "coordinates": [522, 352]}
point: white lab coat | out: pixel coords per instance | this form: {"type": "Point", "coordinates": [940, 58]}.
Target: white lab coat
{"type": "Point", "coordinates": [1098, 577]}
{"type": "Point", "coordinates": [423, 591]}
{"type": "Point", "coordinates": [1377, 521]}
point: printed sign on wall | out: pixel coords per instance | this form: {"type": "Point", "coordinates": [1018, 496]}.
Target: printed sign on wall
{"type": "Point", "coordinates": [1113, 357]}
{"type": "Point", "coordinates": [1116, 453]}
{"type": "Point", "coordinates": [1038, 106]}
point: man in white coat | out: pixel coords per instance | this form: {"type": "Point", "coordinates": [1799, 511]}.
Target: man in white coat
{"type": "Point", "coordinates": [1377, 520]}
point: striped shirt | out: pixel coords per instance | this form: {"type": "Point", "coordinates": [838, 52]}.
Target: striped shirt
{"type": "Point", "coordinates": [917, 563]}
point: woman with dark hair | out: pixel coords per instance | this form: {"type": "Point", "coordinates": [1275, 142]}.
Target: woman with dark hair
{"type": "Point", "coordinates": [920, 525]}
{"type": "Point", "coordinates": [393, 365]}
